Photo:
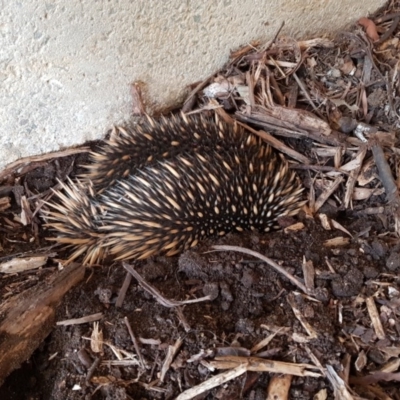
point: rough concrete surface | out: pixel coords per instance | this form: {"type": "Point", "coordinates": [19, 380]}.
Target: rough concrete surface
{"type": "Point", "coordinates": [67, 66]}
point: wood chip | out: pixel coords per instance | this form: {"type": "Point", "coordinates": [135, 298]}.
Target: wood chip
{"type": "Point", "coordinates": [213, 382]}
{"type": "Point", "coordinates": [171, 353]}
{"type": "Point", "coordinates": [256, 348]}
{"type": "Point", "coordinates": [337, 242]}
{"type": "Point", "coordinates": [324, 221]}
{"type": "Point", "coordinates": [340, 389]}
{"type": "Point", "coordinates": [324, 196]}
{"type": "Point", "coordinates": [5, 202]}
{"type": "Point", "coordinates": [96, 342]}
{"type": "Point", "coordinates": [309, 329]}
{"type": "Point", "coordinates": [309, 274]}
{"type": "Point", "coordinates": [294, 227]}
{"type": "Point", "coordinates": [22, 264]}
{"type": "Point", "coordinates": [279, 387]}
{"type": "Point", "coordinates": [374, 315]}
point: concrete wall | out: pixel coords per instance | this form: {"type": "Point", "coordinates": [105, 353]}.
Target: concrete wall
{"type": "Point", "coordinates": [66, 66]}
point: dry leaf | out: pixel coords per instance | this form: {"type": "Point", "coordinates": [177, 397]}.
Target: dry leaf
{"type": "Point", "coordinates": [370, 28]}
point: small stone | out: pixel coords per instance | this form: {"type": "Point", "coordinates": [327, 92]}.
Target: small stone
{"type": "Point", "coordinates": [393, 261]}
{"type": "Point", "coordinates": [211, 290]}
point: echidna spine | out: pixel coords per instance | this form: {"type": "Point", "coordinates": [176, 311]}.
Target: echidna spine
{"type": "Point", "coordinates": [149, 141]}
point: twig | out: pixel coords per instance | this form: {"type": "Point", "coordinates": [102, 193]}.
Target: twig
{"type": "Point", "coordinates": [312, 334]}
{"type": "Point", "coordinates": [156, 294]}
{"type": "Point", "coordinates": [277, 144]}
{"type": "Point", "coordinates": [389, 32]}
{"type": "Point", "coordinates": [308, 97]}
{"type": "Point", "coordinates": [123, 290]}
{"type": "Point", "coordinates": [273, 40]}
{"type": "Point", "coordinates": [92, 369]}
{"type": "Point", "coordinates": [213, 382]}
{"type": "Point", "coordinates": [182, 318]}
{"type": "Point", "coordinates": [259, 364]}
{"type": "Point", "coordinates": [83, 320]}
{"type": "Point", "coordinates": [135, 343]}
{"type": "Point", "coordinates": [16, 166]}
{"type": "Point", "coordinates": [339, 386]}
{"type": "Point", "coordinates": [323, 168]}
{"type": "Point", "coordinates": [273, 264]}
{"type": "Point", "coordinates": [375, 319]}
{"type": "Point", "coordinates": [171, 352]}
{"type": "Point", "coordinates": [385, 174]}
{"type": "Point", "coordinates": [327, 193]}
{"type": "Point", "coordinates": [190, 100]}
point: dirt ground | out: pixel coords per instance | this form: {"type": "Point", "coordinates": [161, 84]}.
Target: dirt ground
{"type": "Point", "coordinates": [327, 327]}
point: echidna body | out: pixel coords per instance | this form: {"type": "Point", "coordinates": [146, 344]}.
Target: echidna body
{"type": "Point", "coordinates": [228, 181]}
{"type": "Point", "coordinates": [148, 141]}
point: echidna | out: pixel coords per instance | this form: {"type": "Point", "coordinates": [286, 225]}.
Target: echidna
{"type": "Point", "coordinates": [145, 143]}
{"type": "Point", "coordinates": [173, 182]}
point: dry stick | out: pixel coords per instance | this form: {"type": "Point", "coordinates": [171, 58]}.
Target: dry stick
{"type": "Point", "coordinates": [285, 129]}
{"type": "Point", "coordinates": [273, 40]}
{"type": "Point", "coordinates": [323, 168]}
{"type": "Point", "coordinates": [355, 172]}
{"type": "Point", "coordinates": [273, 264]}
{"type": "Point", "coordinates": [135, 343]}
{"type": "Point", "coordinates": [375, 319]}
{"type": "Point", "coordinates": [92, 369]}
{"type": "Point", "coordinates": [385, 174]}
{"type": "Point", "coordinates": [182, 319]}
{"type": "Point", "coordinates": [384, 18]}
{"type": "Point", "coordinates": [213, 382]}
{"type": "Point", "coordinates": [13, 167]}
{"type": "Point", "coordinates": [156, 294]}
{"type": "Point", "coordinates": [389, 32]}
{"type": "Point", "coordinates": [258, 364]}
{"type": "Point", "coordinates": [312, 334]}
{"type": "Point", "coordinates": [305, 92]}
{"type": "Point", "coordinates": [250, 84]}
{"type": "Point", "coordinates": [190, 100]}
{"type": "Point", "coordinates": [278, 93]}
{"type": "Point", "coordinates": [171, 353]}
{"type": "Point", "coordinates": [82, 320]}
{"type": "Point", "coordinates": [327, 193]}
{"type": "Point", "coordinates": [277, 144]}
{"type": "Point", "coordinates": [123, 290]}
{"type": "Point", "coordinates": [339, 386]}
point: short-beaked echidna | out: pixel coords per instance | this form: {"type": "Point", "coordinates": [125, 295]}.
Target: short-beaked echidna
{"type": "Point", "coordinates": [173, 182]}
{"type": "Point", "coordinates": [134, 147]}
